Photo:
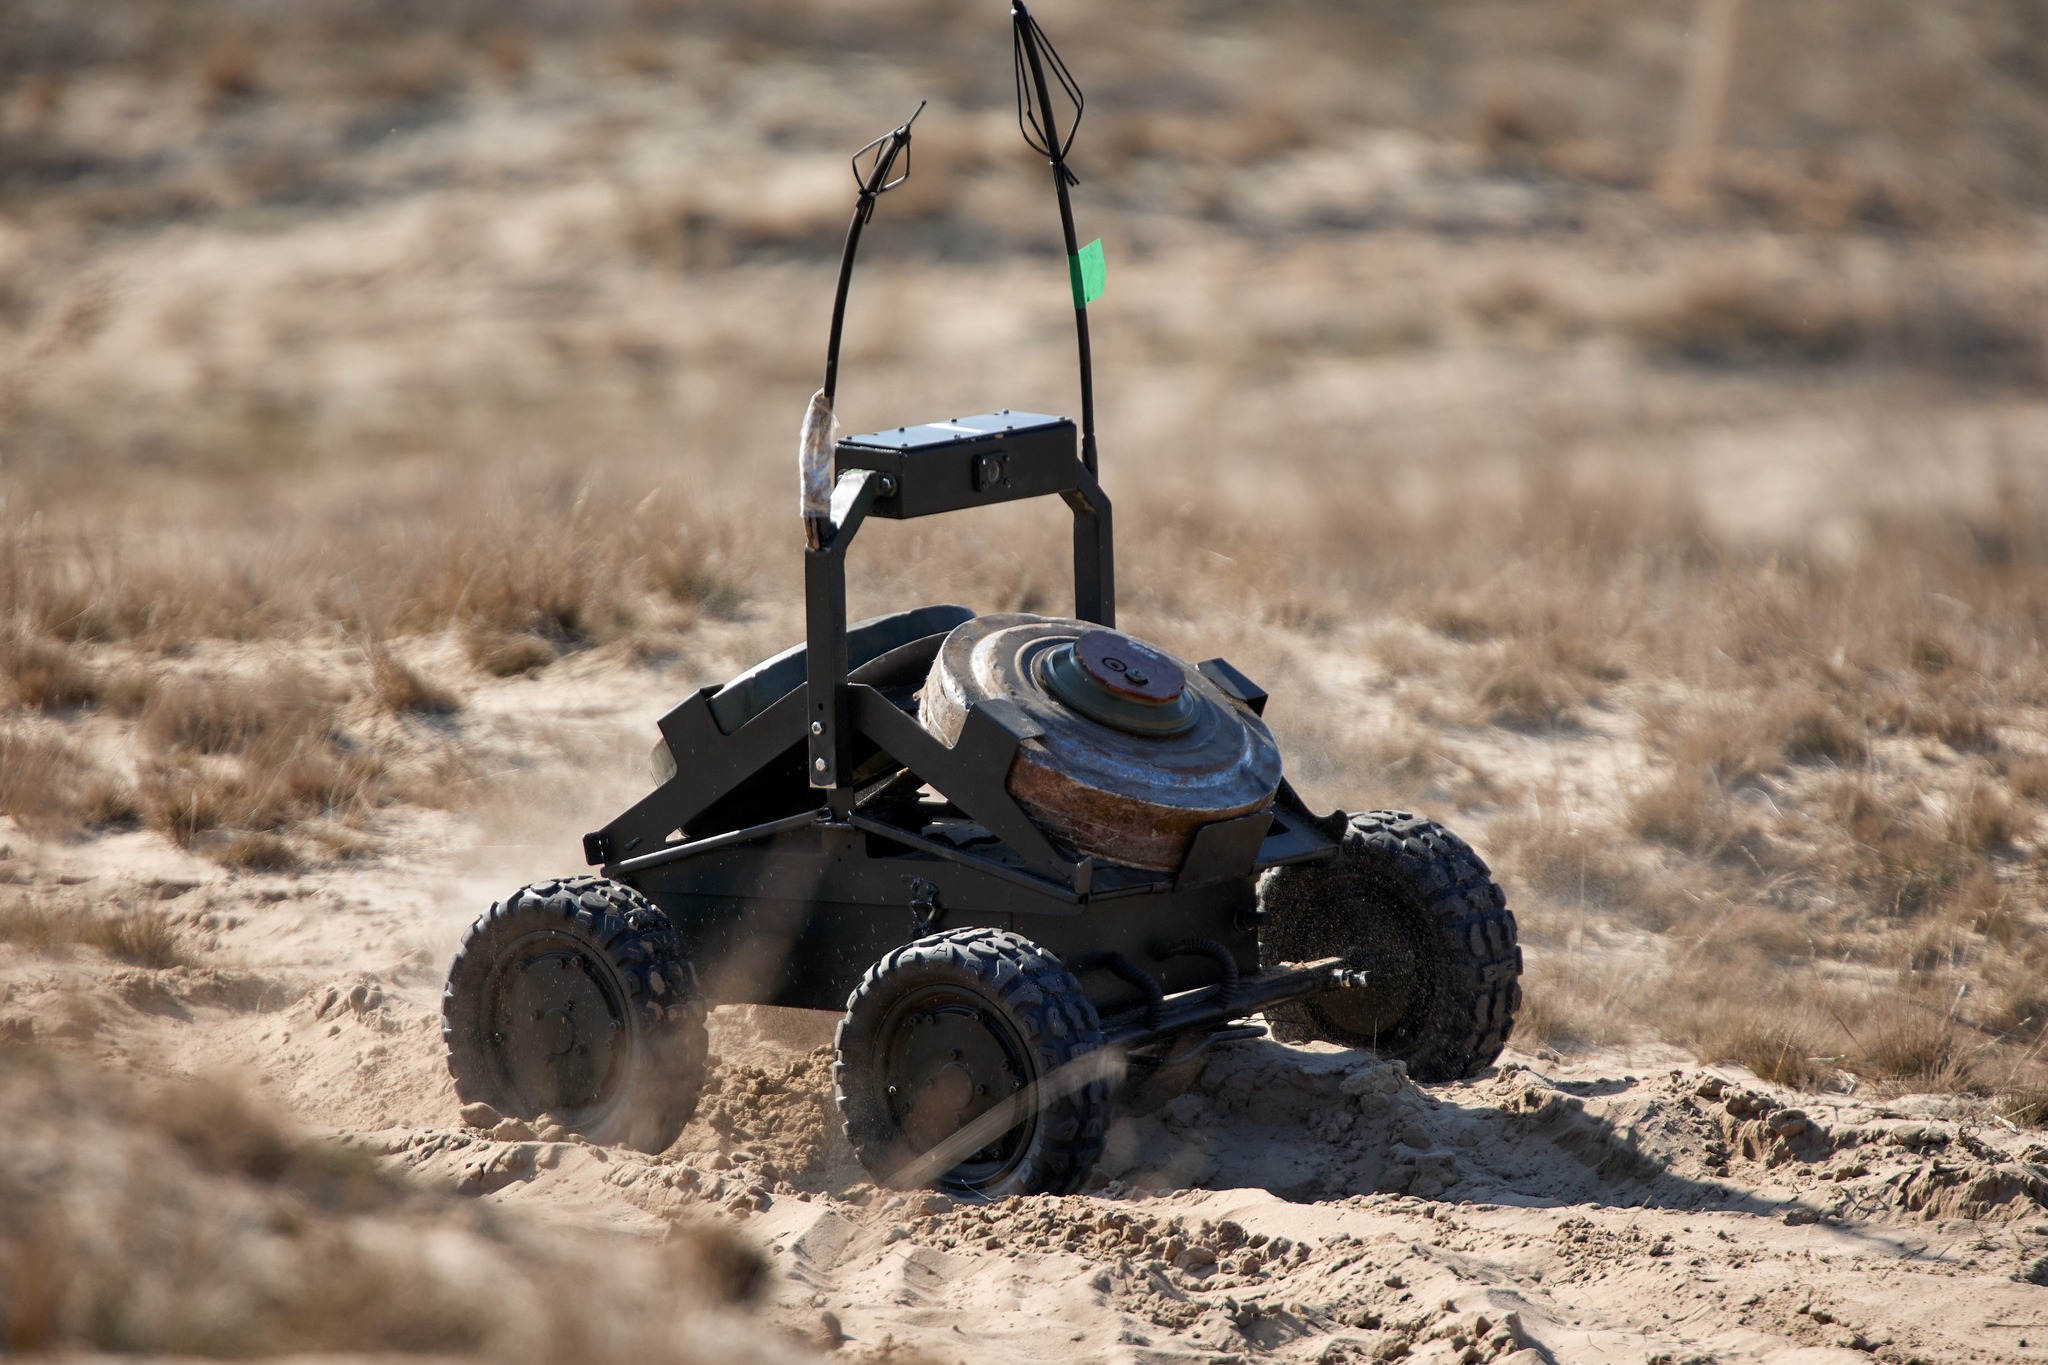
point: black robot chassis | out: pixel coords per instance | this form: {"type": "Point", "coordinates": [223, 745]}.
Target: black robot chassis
{"type": "Point", "coordinates": [1039, 865]}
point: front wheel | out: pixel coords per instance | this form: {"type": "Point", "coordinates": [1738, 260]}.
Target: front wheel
{"type": "Point", "coordinates": [1413, 905]}
{"type": "Point", "coordinates": [574, 999]}
{"type": "Point", "coordinates": [973, 1061]}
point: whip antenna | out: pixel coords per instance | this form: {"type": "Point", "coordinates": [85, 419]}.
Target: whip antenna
{"type": "Point", "coordinates": [1034, 58]}
{"type": "Point", "coordinates": [873, 179]}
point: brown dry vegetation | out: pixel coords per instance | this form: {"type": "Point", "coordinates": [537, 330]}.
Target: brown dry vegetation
{"type": "Point", "coordinates": [558, 558]}
{"type": "Point", "coordinates": [1834, 825]}
{"type": "Point", "coordinates": [48, 784]}
{"type": "Point", "coordinates": [191, 1220]}
{"type": "Point", "coordinates": [144, 938]}
{"type": "Point", "coordinates": [1699, 568]}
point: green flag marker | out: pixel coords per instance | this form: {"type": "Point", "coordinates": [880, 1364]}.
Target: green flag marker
{"type": "Point", "coordinates": [1088, 271]}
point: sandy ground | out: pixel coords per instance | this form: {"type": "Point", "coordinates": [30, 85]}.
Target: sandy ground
{"type": "Point", "coordinates": [1301, 1203]}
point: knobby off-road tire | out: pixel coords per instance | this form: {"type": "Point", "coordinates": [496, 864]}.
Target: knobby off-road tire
{"type": "Point", "coordinates": [575, 999]}
{"type": "Point", "coordinates": [1414, 905]}
{"type": "Point", "coordinates": [945, 1029]}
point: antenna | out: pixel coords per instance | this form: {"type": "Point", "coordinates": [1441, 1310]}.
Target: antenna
{"type": "Point", "coordinates": [1035, 56]}
{"type": "Point", "coordinates": [814, 441]}
{"type": "Point", "coordinates": [873, 181]}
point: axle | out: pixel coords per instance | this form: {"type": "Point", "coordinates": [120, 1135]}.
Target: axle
{"type": "Point", "coordinates": [1224, 1003]}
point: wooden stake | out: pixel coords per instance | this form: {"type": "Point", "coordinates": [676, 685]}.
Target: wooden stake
{"type": "Point", "coordinates": [1688, 180]}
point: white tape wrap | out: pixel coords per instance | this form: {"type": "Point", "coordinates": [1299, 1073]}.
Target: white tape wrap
{"type": "Point", "coordinates": [814, 457]}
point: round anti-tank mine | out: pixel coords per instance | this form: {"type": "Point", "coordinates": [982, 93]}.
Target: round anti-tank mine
{"type": "Point", "coordinates": [1139, 749]}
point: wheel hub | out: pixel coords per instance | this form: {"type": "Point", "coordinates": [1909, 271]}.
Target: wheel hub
{"type": "Point", "coordinates": [1388, 946]}
{"type": "Point", "coordinates": [940, 1107]}
{"type": "Point", "coordinates": [949, 1061]}
{"type": "Point", "coordinates": [559, 1040]}
{"type": "Point", "coordinates": [558, 1026]}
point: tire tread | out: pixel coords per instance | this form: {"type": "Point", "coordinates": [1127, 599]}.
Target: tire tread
{"type": "Point", "coordinates": [1058, 1023]}
{"type": "Point", "coordinates": [649, 958]}
{"type": "Point", "coordinates": [1482, 992]}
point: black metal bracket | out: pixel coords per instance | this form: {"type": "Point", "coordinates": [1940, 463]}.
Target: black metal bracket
{"type": "Point", "coordinates": [924, 906]}
{"type": "Point", "coordinates": [1224, 850]}
{"type": "Point", "coordinates": [1094, 551]}
{"type": "Point", "coordinates": [691, 848]}
{"type": "Point", "coordinates": [829, 762]}
{"type": "Point", "coordinates": [1187, 1047]}
{"type": "Point", "coordinates": [1226, 1002]}
{"type": "Point", "coordinates": [1234, 684]}
{"type": "Point", "coordinates": [716, 764]}
{"type": "Point", "coordinates": [973, 773]}
{"type": "Point", "coordinates": [1067, 900]}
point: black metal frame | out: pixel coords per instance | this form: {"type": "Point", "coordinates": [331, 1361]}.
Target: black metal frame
{"type": "Point", "coordinates": [795, 844]}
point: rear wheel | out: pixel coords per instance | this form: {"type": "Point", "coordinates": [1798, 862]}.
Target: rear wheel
{"type": "Point", "coordinates": [574, 999]}
{"type": "Point", "coordinates": [1412, 904]}
{"type": "Point", "coordinates": [972, 1061]}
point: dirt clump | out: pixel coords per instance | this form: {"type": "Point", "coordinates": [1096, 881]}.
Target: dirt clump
{"type": "Point", "coordinates": [778, 1121]}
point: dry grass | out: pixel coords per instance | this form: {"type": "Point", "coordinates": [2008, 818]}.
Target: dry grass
{"type": "Point", "coordinates": [189, 802]}
{"type": "Point", "coordinates": [1836, 787]}
{"type": "Point", "coordinates": [1771, 1046]}
{"type": "Point", "coordinates": [1932, 1025]}
{"type": "Point", "coordinates": [1399, 760]}
{"type": "Point", "coordinates": [2026, 775]}
{"type": "Point", "coordinates": [1817, 316]}
{"type": "Point", "coordinates": [2027, 1105]}
{"type": "Point", "coordinates": [50, 785]}
{"type": "Point", "coordinates": [508, 655]}
{"type": "Point", "coordinates": [509, 51]}
{"type": "Point", "coordinates": [237, 764]}
{"type": "Point", "coordinates": [231, 715]}
{"type": "Point", "coordinates": [232, 763]}
{"type": "Point", "coordinates": [1574, 999]}
{"type": "Point", "coordinates": [402, 690]}
{"type": "Point", "coordinates": [257, 851]}
{"type": "Point", "coordinates": [1918, 1049]}
{"type": "Point", "coordinates": [49, 675]}
{"type": "Point", "coordinates": [145, 938]}
{"type": "Point", "coordinates": [568, 562]}
{"type": "Point", "coordinates": [1528, 694]}
{"type": "Point", "coordinates": [1576, 862]}
{"type": "Point", "coordinates": [1688, 811]}
{"type": "Point", "coordinates": [230, 67]}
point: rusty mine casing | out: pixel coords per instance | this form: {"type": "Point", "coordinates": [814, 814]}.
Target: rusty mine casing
{"type": "Point", "coordinates": [1139, 749]}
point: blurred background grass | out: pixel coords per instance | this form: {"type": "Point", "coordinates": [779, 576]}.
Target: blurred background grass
{"type": "Point", "coordinates": [356, 356]}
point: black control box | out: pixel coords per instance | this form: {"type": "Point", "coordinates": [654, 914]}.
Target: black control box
{"type": "Point", "coordinates": [966, 462]}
